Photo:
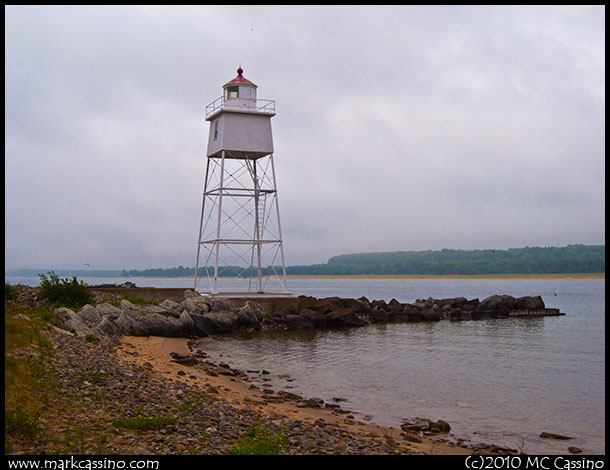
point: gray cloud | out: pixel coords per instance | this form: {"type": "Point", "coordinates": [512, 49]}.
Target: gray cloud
{"type": "Point", "coordinates": [397, 127]}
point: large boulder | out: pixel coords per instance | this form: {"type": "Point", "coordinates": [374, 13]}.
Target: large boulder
{"type": "Point", "coordinates": [345, 317]}
{"type": "Point", "coordinates": [69, 320]}
{"type": "Point", "coordinates": [529, 303]}
{"type": "Point", "coordinates": [126, 304]}
{"type": "Point", "coordinates": [150, 309]}
{"type": "Point", "coordinates": [377, 316]}
{"type": "Point", "coordinates": [298, 322]}
{"type": "Point", "coordinates": [455, 302]}
{"type": "Point", "coordinates": [432, 314]}
{"type": "Point", "coordinates": [495, 302]}
{"type": "Point", "coordinates": [172, 308]}
{"type": "Point", "coordinates": [195, 305]}
{"type": "Point", "coordinates": [394, 316]}
{"type": "Point", "coordinates": [106, 327]}
{"type": "Point", "coordinates": [380, 305]}
{"type": "Point", "coordinates": [318, 320]}
{"type": "Point", "coordinates": [394, 306]}
{"type": "Point", "coordinates": [218, 305]}
{"type": "Point", "coordinates": [129, 323]}
{"type": "Point", "coordinates": [250, 315]}
{"type": "Point", "coordinates": [107, 310]}
{"type": "Point", "coordinates": [223, 321]}
{"type": "Point", "coordinates": [157, 324]}
{"type": "Point", "coordinates": [200, 326]}
{"type": "Point", "coordinates": [89, 315]}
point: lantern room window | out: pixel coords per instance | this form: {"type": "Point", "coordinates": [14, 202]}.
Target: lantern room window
{"type": "Point", "coordinates": [232, 92]}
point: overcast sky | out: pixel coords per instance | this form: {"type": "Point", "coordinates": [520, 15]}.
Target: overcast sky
{"type": "Point", "coordinates": [397, 127]}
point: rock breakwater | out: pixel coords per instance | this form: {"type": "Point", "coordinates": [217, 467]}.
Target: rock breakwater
{"type": "Point", "coordinates": [201, 315]}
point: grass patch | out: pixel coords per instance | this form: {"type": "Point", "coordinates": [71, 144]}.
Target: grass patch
{"type": "Point", "coordinates": [20, 423]}
{"type": "Point", "coordinates": [144, 424]}
{"type": "Point", "coordinates": [140, 301]}
{"type": "Point", "coordinates": [258, 441]}
{"type": "Point", "coordinates": [28, 381]}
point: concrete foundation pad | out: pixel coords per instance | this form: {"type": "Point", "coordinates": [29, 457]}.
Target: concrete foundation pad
{"type": "Point", "coordinates": [247, 295]}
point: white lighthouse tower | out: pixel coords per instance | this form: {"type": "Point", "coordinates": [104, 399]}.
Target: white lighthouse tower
{"type": "Point", "coordinates": [240, 240]}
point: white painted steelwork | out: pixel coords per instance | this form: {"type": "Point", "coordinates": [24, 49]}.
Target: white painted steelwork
{"type": "Point", "coordinates": [239, 231]}
{"type": "Point", "coordinates": [256, 105]}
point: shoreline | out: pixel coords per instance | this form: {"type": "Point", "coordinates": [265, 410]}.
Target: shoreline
{"type": "Point", "coordinates": [240, 392]}
{"type": "Point", "coordinates": [558, 276]}
{"type": "Point", "coordinates": [550, 276]}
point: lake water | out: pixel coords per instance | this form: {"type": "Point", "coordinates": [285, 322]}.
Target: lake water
{"type": "Point", "coordinates": [495, 381]}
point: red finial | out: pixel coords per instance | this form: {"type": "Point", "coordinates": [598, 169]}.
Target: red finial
{"type": "Point", "coordinates": [240, 71]}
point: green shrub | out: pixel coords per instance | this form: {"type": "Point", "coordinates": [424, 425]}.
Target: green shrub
{"type": "Point", "coordinates": [64, 292]}
{"type": "Point", "coordinates": [259, 441]}
{"type": "Point", "coordinates": [11, 292]}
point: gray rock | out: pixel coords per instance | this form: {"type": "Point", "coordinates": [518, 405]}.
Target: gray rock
{"type": "Point", "coordinates": [412, 438]}
{"type": "Point", "coordinates": [250, 315]}
{"type": "Point", "coordinates": [443, 425]}
{"type": "Point", "coordinates": [345, 317]}
{"type": "Point", "coordinates": [222, 321]}
{"type": "Point", "coordinates": [199, 325]}
{"type": "Point", "coordinates": [465, 315]}
{"type": "Point", "coordinates": [186, 320]}
{"type": "Point", "coordinates": [498, 302]}
{"type": "Point", "coordinates": [171, 307]}
{"type": "Point", "coordinates": [310, 403]}
{"type": "Point", "coordinates": [189, 293]}
{"type": "Point", "coordinates": [529, 303]}
{"type": "Point", "coordinates": [77, 325]}
{"type": "Point", "coordinates": [21, 316]}
{"type": "Point", "coordinates": [129, 324]}
{"type": "Point", "coordinates": [431, 314]}
{"type": "Point", "coordinates": [127, 305]}
{"type": "Point", "coordinates": [398, 317]}
{"type": "Point", "coordinates": [89, 314]}
{"type": "Point", "coordinates": [550, 435]}
{"type": "Point", "coordinates": [156, 324]}
{"type": "Point", "coordinates": [378, 316]}
{"type": "Point", "coordinates": [196, 305]}
{"type": "Point", "coordinates": [106, 327]}
{"type": "Point", "coordinates": [217, 305]}
{"type": "Point", "coordinates": [62, 315]}
{"type": "Point", "coordinates": [150, 309]}
{"type": "Point", "coordinates": [107, 310]}
{"type": "Point", "coordinates": [455, 302]}
{"type": "Point", "coordinates": [298, 322]}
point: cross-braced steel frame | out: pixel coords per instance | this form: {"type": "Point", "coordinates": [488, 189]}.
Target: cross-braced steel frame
{"type": "Point", "coordinates": [240, 235]}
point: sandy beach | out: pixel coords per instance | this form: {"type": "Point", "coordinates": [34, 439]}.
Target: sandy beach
{"type": "Point", "coordinates": [239, 393]}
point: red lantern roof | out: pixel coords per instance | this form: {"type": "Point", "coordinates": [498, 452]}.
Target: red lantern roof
{"type": "Point", "coordinates": [240, 79]}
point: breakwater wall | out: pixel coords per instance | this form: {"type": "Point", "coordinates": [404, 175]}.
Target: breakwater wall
{"type": "Point", "coordinates": [201, 315]}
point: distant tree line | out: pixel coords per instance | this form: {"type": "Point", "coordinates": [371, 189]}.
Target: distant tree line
{"type": "Point", "coordinates": [528, 260]}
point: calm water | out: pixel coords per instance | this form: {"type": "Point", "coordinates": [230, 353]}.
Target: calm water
{"type": "Point", "coordinates": [495, 381]}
